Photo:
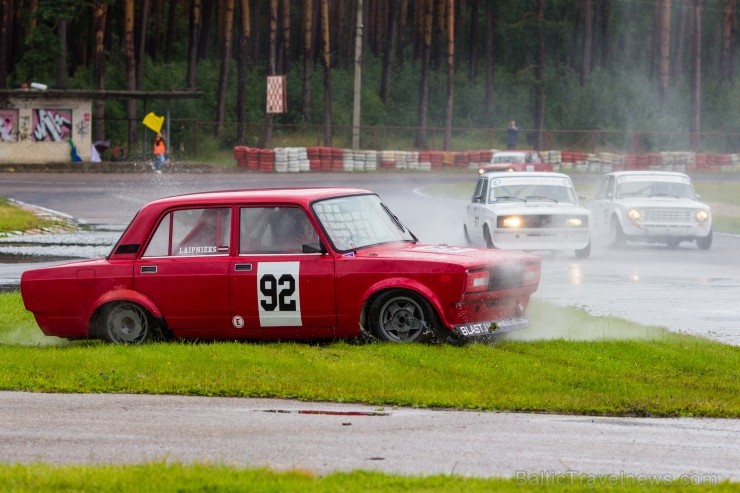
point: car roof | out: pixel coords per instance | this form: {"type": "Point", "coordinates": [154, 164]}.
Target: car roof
{"type": "Point", "coordinates": [297, 196]}
{"type": "Point", "coordinates": [647, 173]}
{"type": "Point", "coordinates": [529, 174]}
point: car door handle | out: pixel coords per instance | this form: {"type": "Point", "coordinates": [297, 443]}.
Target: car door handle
{"type": "Point", "coordinates": [243, 267]}
{"type": "Point", "coordinates": [148, 269]}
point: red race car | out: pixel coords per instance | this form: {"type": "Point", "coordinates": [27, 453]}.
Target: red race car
{"type": "Point", "coordinates": [515, 161]}
{"type": "Point", "coordinates": [317, 263]}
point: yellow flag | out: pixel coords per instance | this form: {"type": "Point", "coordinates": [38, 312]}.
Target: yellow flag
{"type": "Point", "coordinates": [153, 121]}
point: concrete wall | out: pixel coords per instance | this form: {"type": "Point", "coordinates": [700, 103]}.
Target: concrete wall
{"type": "Point", "coordinates": [38, 130]}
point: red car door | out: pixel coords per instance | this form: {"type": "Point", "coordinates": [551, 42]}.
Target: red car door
{"type": "Point", "coordinates": [277, 290]}
{"type": "Point", "coordinates": [185, 269]}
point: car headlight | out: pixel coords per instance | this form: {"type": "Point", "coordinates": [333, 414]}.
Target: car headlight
{"type": "Point", "coordinates": [633, 215]}
{"type": "Point", "coordinates": [702, 215]}
{"type": "Point", "coordinates": [481, 171]}
{"type": "Point", "coordinates": [574, 221]}
{"type": "Point", "coordinates": [512, 222]}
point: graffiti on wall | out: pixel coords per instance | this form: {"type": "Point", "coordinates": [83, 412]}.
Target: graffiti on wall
{"type": "Point", "coordinates": [51, 125]}
{"type": "Point", "coordinates": [8, 125]}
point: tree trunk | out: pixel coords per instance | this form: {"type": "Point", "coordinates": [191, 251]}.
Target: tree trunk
{"type": "Point", "coordinates": [327, 72]}
{"type": "Point", "coordinates": [308, 6]}
{"type": "Point", "coordinates": [266, 137]}
{"type": "Point", "coordinates": [488, 98]}
{"type": "Point", "coordinates": [130, 71]}
{"type": "Point", "coordinates": [206, 14]}
{"type": "Point", "coordinates": [665, 54]}
{"type": "Point", "coordinates": [385, 81]}
{"type": "Point", "coordinates": [193, 42]}
{"type": "Point", "coordinates": [421, 132]}
{"type": "Point", "coordinates": [241, 88]}
{"type": "Point", "coordinates": [587, 40]}
{"type": "Point", "coordinates": [285, 59]}
{"type": "Point", "coordinates": [63, 48]}
{"type": "Point", "coordinates": [6, 34]}
{"type": "Point", "coordinates": [539, 99]}
{"type": "Point", "coordinates": [156, 34]}
{"type": "Point", "coordinates": [144, 23]}
{"type": "Point", "coordinates": [695, 124]}
{"type": "Point", "coordinates": [450, 73]}
{"type": "Point", "coordinates": [171, 18]}
{"type": "Point", "coordinates": [677, 67]}
{"type": "Point", "coordinates": [473, 41]}
{"type": "Point", "coordinates": [223, 77]}
{"type": "Point", "coordinates": [401, 39]}
{"type": "Point", "coordinates": [100, 13]}
{"type": "Point", "coordinates": [726, 56]}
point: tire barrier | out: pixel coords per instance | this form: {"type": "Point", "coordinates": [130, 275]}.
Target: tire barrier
{"type": "Point", "coordinates": [336, 159]}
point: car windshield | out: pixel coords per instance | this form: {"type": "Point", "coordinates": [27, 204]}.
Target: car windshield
{"type": "Point", "coordinates": [534, 189]}
{"type": "Point", "coordinates": [509, 158]}
{"type": "Point", "coordinates": [676, 187]}
{"type": "Point", "coordinates": [359, 221]}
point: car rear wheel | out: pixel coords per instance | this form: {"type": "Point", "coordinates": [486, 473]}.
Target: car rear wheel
{"type": "Point", "coordinates": [704, 242]}
{"type": "Point", "coordinates": [402, 316]}
{"type": "Point", "coordinates": [616, 235]}
{"type": "Point", "coordinates": [126, 323]}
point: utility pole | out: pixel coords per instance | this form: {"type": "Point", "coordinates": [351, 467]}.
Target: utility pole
{"type": "Point", "coordinates": [358, 80]}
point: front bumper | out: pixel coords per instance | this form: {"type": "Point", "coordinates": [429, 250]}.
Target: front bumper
{"type": "Point", "coordinates": [542, 239]}
{"type": "Point", "coordinates": [656, 230]}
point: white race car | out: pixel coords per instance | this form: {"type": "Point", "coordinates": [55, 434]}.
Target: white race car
{"type": "Point", "coordinates": [651, 206]}
{"type": "Point", "coordinates": [527, 211]}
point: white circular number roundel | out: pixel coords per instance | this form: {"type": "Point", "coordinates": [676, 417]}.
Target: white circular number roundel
{"type": "Point", "coordinates": [278, 294]}
{"type": "Point", "coordinates": [238, 322]}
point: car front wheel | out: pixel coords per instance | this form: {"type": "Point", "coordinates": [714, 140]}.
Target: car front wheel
{"type": "Point", "coordinates": [584, 252]}
{"type": "Point", "coordinates": [126, 323]}
{"type": "Point", "coordinates": [487, 237]}
{"type": "Point", "coordinates": [704, 242]}
{"type": "Point", "coordinates": [402, 316]}
{"type": "Point", "coordinates": [616, 235]}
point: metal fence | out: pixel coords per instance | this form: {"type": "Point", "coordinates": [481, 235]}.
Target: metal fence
{"type": "Point", "coordinates": [191, 139]}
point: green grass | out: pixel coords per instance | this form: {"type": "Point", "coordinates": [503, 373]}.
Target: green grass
{"type": "Point", "coordinates": [604, 367]}
{"type": "Point", "coordinates": [14, 218]}
{"type": "Point", "coordinates": [159, 477]}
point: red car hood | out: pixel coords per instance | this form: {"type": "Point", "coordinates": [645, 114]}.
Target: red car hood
{"type": "Point", "coordinates": [466, 256]}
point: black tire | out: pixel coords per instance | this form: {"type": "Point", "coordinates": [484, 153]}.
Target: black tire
{"type": "Point", "coordinates": [616, 235]}
{"type": "Point", "coordinates": [704, 242]}
{"type": "Point", "coordinates": [402, 316]}
{"type": "Point", "coordinates": [126, 323]}
{"type": "Point", "coordinates": [487, 237]}
{"type": "Point", "coordinates": [585, 251]}
{"type": "Point", "coordinates": [673, 243]}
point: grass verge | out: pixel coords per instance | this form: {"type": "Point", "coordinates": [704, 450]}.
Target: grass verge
{"type": "Point", "coordinates": [156, 477]}
{"type": "Point", "coordinates": [651, 373]}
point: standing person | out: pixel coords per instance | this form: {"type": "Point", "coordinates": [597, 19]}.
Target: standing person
{"type": "Point", "coordinates": [512, 135]}
{"type": "Point", "coordinates": [160, 153]}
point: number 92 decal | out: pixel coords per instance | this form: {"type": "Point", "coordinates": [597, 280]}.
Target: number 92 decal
{"type": "Point", "coordinates": [278, 295]}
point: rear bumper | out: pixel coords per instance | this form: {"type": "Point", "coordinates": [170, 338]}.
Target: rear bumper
{"type": "Point", "coordinates": [490, 329]}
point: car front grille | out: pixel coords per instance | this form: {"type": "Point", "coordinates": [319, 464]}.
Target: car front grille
{"type": "Point", "coordinates": [507, 276]}
{"type": "Point", "coordinates": [667, 215]}
{"type": "Point", "coordinates": [546, 221]}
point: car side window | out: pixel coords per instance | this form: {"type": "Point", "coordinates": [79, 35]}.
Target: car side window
{"type": "Point", "coordinates": [192, 232]}
{"type": "Point", "coordinates": [274, 230]}
{"type": "Point", "coordinates": [606, 189]}
{"type": "Point", "coordinates": [479, 195]}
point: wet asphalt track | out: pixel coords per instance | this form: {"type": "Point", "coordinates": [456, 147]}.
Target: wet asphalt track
{"type": "Point", "coordinates": [683, 289]}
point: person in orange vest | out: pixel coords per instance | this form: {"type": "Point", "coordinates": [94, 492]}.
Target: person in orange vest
{"type": "Point", "coordinates": [160, 153]}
